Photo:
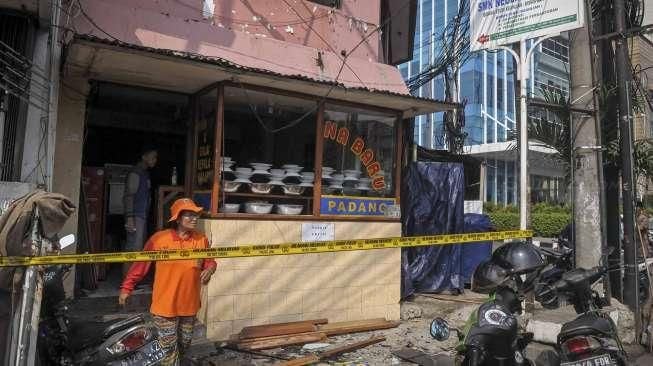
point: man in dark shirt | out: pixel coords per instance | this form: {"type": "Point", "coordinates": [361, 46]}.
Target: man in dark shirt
{"type": "Point", "coordinates": [137, 201]}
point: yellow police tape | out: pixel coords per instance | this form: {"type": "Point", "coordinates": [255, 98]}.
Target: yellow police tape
{"type": "Point", "coordinates": [266, 250]}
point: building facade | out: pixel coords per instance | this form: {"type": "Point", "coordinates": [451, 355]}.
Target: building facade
{"type": "Point", "coordinates": [487, 85]}
{"type": "Point", "coordinates": [217, 85]}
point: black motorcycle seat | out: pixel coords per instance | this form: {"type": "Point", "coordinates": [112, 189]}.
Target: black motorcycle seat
{"type": "Point", "coordinates": [586, 324]}
{"type": "Point", "coordinates": [87, 333]}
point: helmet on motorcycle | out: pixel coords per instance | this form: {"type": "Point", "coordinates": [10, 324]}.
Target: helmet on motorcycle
{"type": "Point", "coordinates": [487, 276]}
{"type": "Point", "coordinates": [519, 257]}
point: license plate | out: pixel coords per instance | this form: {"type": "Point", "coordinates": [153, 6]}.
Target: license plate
{"type": "Point", "coordinates": [148, 355]}
{"type": "Point", "coordinates": [602, 360]}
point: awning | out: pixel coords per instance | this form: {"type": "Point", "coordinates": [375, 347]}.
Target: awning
{"type": "Point", "coordinates": [118, 62]}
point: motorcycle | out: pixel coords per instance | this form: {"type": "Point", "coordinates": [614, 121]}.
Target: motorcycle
{"type": "Point", "coordinates": [494, 341]}
{"type": "Point", "coordinates": [591, 338]}
{"type": "Point", "coordinates": [62, 341]}
{"type": "Point", "coordinates": [491, 336]}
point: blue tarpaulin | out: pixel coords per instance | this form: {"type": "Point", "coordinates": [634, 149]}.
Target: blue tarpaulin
{"type": "Point", "coordinates": [432, 203]}
{"type": "Point", "coordinates": [473, 254]}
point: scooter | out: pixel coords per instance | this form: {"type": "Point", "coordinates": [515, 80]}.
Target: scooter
{"type": "Point", "coordinates": [61, 341]}
{"type": "Point", "coordinates": [495, 340]}
{"type": "Point", "coordinates": [591, 338]}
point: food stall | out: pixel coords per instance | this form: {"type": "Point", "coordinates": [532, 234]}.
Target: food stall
{"type": "Point", "coordinates": [274, 166]}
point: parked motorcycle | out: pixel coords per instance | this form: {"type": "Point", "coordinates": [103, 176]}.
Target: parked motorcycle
{"type": "Point", "coordinates": [62, 341]}
{"type": "Point", "coordinates": [491, 335]}
{"type": "Point", "coordinates": [591, 338]}
{"type": "Point", "coordinates": [562, 260]}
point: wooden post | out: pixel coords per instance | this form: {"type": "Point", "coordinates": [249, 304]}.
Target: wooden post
{"type": "Point", "coordinates": [399, 157]}
{"type": "Point", "coordinates": [319, 152]}
{"type": "Point", "coordinates": [217, 152]}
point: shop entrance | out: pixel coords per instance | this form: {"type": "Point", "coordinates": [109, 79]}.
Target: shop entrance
{"type": "Point", "coordinates": [121, 122]}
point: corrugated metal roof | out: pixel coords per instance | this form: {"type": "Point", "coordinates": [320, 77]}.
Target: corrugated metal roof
{"type": "Point", "coordinates": [231, 65]}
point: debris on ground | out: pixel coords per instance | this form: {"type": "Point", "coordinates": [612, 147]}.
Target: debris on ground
{"type": "Point", "coordinates": [410, 334]}
{"type": "Point", "coordinates": [271, 336]}
{"type": "Point", "coordinates": [410, 311]}
{"type": "Point", "coordinates": [312, 358]}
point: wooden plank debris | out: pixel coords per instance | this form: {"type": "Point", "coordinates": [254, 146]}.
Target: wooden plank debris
{"type": "Point", "coordinates": [282, 341]}
{"type": "Point", "coordinates": [269, 330]}
{"type": "Point", "coordinates": [307, 360]}
{"type": "Point", "coordinates": [333, 329]}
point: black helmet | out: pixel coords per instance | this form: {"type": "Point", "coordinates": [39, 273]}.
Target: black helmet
{"type": "Point", "coordinates": [487, 276]}
{"type": "Point", "coordinates": [519, 257]}
{"type": "Point", "coordinates": [522, 259]}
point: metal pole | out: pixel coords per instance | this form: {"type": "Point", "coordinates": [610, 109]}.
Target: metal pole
{"type": "Point", "coordinates": [523, 137]}
{"type": "Point", "coordinates": [627, 186]}
{"type": "Point", "coordinates": [522, 61]}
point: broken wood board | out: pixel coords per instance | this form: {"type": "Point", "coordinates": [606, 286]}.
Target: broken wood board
{"type": "Point", "coordinates": [356, 327]}
{"type": "Point", "coordinates": [307, 360]}
{"type": "Point", "coordinates": [282, 341]}
{"type": "Point", "coordinates": [269, 330]}
{"type": "Point", "coordinates": [423, 359]}
{"type": "Point", "coordinates": [352, 323]}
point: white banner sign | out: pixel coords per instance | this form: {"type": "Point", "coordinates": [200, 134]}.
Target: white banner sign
{"type": "Point", "coordinates": [499, 22]}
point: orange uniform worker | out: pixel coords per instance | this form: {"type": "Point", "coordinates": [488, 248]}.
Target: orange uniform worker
{"type": "Point", "coordinates": [176, 290]}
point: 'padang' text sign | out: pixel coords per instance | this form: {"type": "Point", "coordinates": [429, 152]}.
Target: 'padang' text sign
{"type": "Point", "coordinates": [499, 22]}
{"type": "Point", "coordinates": [355, 206]}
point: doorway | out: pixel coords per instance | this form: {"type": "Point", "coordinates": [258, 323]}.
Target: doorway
{"type": "Point", "coordinates": [122, 121]}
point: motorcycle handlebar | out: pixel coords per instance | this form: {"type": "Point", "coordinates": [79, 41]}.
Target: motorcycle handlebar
{"type": "Point", "coordinates": [579, 275]}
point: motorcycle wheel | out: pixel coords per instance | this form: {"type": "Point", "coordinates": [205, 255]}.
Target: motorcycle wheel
{"type": "Point", "coordinates": [547, 358]}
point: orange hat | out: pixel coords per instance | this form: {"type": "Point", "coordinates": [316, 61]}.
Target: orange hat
{"type": "Point", "coordinates": [183, 204]}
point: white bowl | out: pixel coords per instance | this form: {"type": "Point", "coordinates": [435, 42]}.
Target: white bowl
{"type": "Point", "coordinates": [306, 184]}
{"type": "Point", "coordinates": [338, 176]}
{"type": "Point", "coordinates": [290, 209]}
{"type": "Point", "coordinates": [352, 173]}
{"type": "Point", "coordinates": [292, 173]}
{"type": "Point", "coordinates": [230, 208]}
{"type": "Point", "coordinates": [363, 188]}
{"type": "Point", "coordinates": [260, 188]}
{"type": "Point", "coordinates": [261, 172]}
{"type": "Point", "coordinates": [278, 172]}
{"type": "Point", "coordinates": [230, 186]}
{"type": "Point", "coordinates": [292, 166]}
{"type": "Point", "coordinates": [258, 207]}
{"type": "Point", "coordinates": [242, 180]}
{"type": "Point", "coordinates": [293, 189]}
{"type": "Point", "coordinates": [276, 182]}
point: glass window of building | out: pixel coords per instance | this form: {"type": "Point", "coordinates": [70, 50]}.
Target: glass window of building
{"type": "Point", "coordinates": [359, 152]}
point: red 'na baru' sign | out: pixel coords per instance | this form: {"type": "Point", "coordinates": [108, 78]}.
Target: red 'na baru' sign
{"type": "Point", "coordinates": [366, 155]}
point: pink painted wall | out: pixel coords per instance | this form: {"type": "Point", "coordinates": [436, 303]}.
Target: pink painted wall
{"type": "Point", "coordinates": [266, 34]}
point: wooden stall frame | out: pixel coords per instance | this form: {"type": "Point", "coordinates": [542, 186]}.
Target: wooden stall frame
{"type": "Point", "coordinates": [319, 154]}
{"type": "Point", "coordinates": [315, 214]}
{"type": "Point", "coordinates": [217, 152]}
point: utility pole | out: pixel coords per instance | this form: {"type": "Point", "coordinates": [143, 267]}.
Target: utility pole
{"type": "Point", "coordinates": [627, 184]}
{"type": "Point", "coordinates": [610, 171]}
{"type": "Point", "coordinates": [586, 151]}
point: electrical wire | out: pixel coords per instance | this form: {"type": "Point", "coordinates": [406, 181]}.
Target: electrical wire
{"type": "Point", "coordinates": [334, 82]}
{"type": "Point", "coordinates": [90, 20]}
{"type": "Point", "coordinates": [343, 59]}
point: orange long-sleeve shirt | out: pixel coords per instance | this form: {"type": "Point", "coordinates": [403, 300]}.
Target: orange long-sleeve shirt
{"type": "Point", "coordinates": [176, 290]}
